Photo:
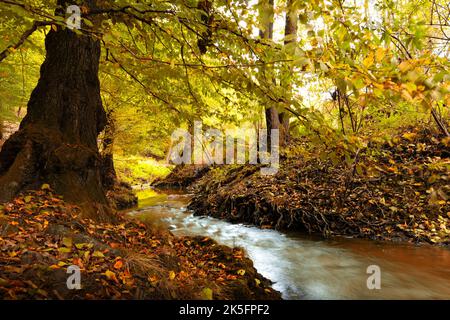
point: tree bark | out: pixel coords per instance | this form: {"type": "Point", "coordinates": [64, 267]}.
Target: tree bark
{"type": "Point", "coordinates": [290, 34]}
{"type": "Point", "coordinates": [272, 122]}
{"type": "Point", "coordinates": [275, 119]}
{"type": "Point", "coordinates": [109, 175]}
{"type": "Point", "coordinates": [271, 113]}
{"type": "Point", "coordinates": [57, 140]}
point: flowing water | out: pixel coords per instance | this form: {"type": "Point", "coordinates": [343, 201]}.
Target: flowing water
{"type": "Point", "coordinates": [305, 267]}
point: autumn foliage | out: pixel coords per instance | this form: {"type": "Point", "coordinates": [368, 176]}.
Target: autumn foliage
{"type": "Point", "coordinates": [396, 189]}
{"type": "Point", "coordinates": [41, 235]}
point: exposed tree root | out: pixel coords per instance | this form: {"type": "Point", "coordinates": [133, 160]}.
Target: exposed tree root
{"type": "Point", "coordinates": [400, 193]}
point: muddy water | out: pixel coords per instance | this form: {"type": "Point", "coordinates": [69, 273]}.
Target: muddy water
{"type": "Point", "coordinates": [304, 267]}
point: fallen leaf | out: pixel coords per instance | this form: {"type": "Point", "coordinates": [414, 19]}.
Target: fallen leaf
{"type": "Point", "coordinates": [111, 276]}
{"type": "Point", "coordinates": [241, 272]}
{"type": "Point", "coordinates": [207, 294]}
{"type": "Point", "coordinates": [118, 264]}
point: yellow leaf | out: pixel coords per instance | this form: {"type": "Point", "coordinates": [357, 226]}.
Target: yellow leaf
{"type": "Point", "coordinates": [404, 66]}
{"type": "Point", "coordinates": [98, 254]}
{"type": "Point", "coordinates": [81, 245]}
{"type": "Point", "coordinates": [171, 275]}
{"type": "Point", "coordinates": [368, 61]}
{"type": "Point", "coordinates": [63, 250]}
{"type": "Point", "coordinates": [241, 272]}
{"type": "Point", "coordinates": [67, 242]}
{"type": "Point", "coordinates": [45, 186]}
{"type": "Point", "coordinates": [379, 55]}
{"type": "Point", "coordinates": [207, 294]}
{"type": "Point", "coordinates": [409, 136]}
{"type": "Point", "coordinates": [111, 275]}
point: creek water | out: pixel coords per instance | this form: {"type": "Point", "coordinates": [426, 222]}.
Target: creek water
{"type": "Point", "coordinates": [306, 267]}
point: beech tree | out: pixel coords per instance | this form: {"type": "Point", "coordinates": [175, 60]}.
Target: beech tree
{"type": "Point", "coordinates": [57, 139]}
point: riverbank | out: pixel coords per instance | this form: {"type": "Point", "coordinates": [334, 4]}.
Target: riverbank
{"type": "Point", "coordinates": [400, 192]}
{"type": "Point", "coordinates": [41, 236]}
{"type": "Point", "coordinates": [305, 266]}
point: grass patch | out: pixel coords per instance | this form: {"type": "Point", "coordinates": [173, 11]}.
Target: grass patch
{"type": "Point", "coordinates": [137, 170]}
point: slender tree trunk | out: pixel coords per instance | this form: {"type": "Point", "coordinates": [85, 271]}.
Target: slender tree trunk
{"type": "Point", "coordinates": [274, 119]}
{"type": "Point", "coordinates": [271, 113]}
{"type": "Point", "coordinates": [290, 36]}
{"type": "Point", "coordinates": [57, 140]}
{"type": "Point", "coordinates": [284, 128]}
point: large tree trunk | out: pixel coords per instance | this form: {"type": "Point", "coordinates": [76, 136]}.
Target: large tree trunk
{"type": "Point", "coordinates": [57, 140]}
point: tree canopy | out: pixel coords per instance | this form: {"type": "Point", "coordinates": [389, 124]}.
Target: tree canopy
{"type": "Point", "coordinates": [165, 64]}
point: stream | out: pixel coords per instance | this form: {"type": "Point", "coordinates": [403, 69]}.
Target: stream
{"type": "Point", "coordinates": [307, 267]}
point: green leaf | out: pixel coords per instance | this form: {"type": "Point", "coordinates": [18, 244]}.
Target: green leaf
{"type": "Point", "coordinates": [67, 242]}
{"type": "Point", "coordinates": [64, 250]}
{"type": "Point", "coordinates": [88, 23]}
{"type": "Point", "coordinates": [81, 245]}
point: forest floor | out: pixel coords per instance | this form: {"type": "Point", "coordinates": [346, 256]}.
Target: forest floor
{"type": "Point", "coordinates": [41, 236]}
{"type": "Point", "coordinates": [399, 192]}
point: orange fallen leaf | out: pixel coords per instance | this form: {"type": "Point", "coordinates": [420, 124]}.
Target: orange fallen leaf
{"type": "Point", "coordinates": [114, 245]}
{"type": "Point", "coordinates": [118, 264]}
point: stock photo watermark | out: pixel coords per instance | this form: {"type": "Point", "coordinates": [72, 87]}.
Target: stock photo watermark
{"type": "Point", "coordinates": [74, 20]}
{"type": "Point", "coordinates": [74, 280]}
{"type": "Point", "coordinates": [216, 147]}
{"type": "Point", "coordinates": [374, 280]}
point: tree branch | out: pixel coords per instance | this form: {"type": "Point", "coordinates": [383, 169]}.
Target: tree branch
{"type": "Point", "coordinates": [23, 38]}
